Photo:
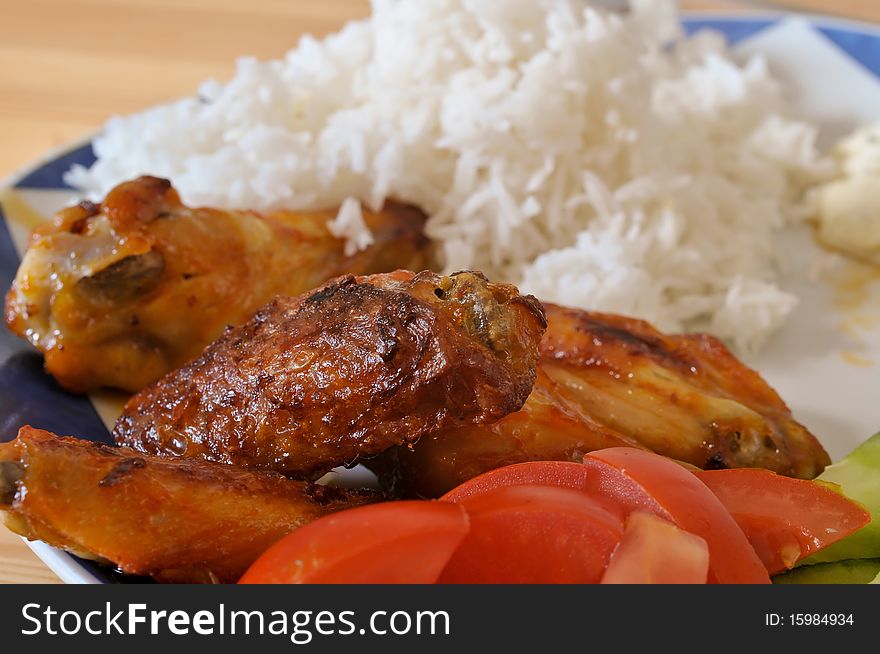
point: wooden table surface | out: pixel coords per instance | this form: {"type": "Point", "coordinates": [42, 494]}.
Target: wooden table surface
{"type": "Point", "coordinates": [67, 65]}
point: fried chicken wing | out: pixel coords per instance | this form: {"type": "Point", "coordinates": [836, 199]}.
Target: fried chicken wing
{"type": "Point", "coordinates": [178, 520]}
{"type": "Point", "coordinates": [606, 381]}
{"type": "Point", "coordinates": [120, 293]}
{"type": "Point", "coordinates": [345, 372]}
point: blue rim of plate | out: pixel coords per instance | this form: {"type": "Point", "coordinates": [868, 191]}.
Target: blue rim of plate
{"type": "Point", "coordinates": [29, 396]}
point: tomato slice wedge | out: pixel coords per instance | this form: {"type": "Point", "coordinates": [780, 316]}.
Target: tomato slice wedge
{"type": "Point", "coordinates": [390, 543]}
{"type": "Point", "coordinates": [535, 535]}
{"type": "Point", "coordinates": [784, 519]}
{"type": "Point", "coordinates": [564, 474]}
{"type": "Point", "coordinates": [655, 551]}
{"type": "Point", "coordinates": [640, 480]}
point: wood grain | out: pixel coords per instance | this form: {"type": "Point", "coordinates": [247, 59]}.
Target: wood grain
{"type": "Point", "coordinates": [66, 66]}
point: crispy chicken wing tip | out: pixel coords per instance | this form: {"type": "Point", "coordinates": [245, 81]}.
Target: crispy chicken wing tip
{"type": "Point", "coordinates": [346, 371]}
{"type": "Point", "coordinates": [117, 294]}
{"type": "Point", "coordinates": [180, 520]}
{"type": "Point", "coordinates": [604, 381]}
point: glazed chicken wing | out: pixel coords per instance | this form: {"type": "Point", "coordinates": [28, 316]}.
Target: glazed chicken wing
{"type": "Point", "coordinates": [606, 381]}
{"type": "Point", "coordinates": [120, 293]}
{"type": "Point", "coordinates": [178, 520]}
{"type": "Point", "coordinates": [345, 372]}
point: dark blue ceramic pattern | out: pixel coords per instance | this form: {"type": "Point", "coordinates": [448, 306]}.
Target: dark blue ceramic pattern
{"type": "Point", "coordinates": [734, 30]}
{"type": "Point", "coordinates": [863, 47]}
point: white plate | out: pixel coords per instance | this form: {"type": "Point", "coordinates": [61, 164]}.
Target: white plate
{"type": "Point", "coordinates": [825, 362]}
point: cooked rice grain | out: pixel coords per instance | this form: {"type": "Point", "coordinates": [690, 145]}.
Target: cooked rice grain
{"type": "Point", "coordinates": [565, 148]}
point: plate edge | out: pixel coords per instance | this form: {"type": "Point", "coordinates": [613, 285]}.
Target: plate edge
{"type": "Point", "coordinates": [61, 563]}
{"type": "Point", "coordinates": [66, 566]}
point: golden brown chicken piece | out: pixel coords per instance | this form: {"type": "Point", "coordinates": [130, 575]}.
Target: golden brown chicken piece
{"type": "Point", "coordinates": [606, 381]}
{"type": "Point", "coordinates": [178, 520]}
{"type": "Point", "coordinates": [345, 372]}
{"type": "Point", "coordinates": [118, 294]}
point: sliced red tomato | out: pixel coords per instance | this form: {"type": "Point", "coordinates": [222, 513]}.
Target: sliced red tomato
{"type": "Point", "coordinates": [534, 535]}
{"type": "Point", "coordinates": [640, 480]}
{"type": "Point", "coordinates": [655, 551]}
{"type": "Point", "coordinates": [784, 519]}
{"type": "Point", "coordinates": [390, 543]}
{"type": "Point", "coordinates": [564, 474]}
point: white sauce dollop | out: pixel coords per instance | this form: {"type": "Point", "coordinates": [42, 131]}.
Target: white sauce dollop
{"type": "Point", "coordinates": [849, 206]}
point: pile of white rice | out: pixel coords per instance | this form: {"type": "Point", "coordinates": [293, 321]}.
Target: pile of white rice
{"type": "Point", "coordinates": [572, 151]}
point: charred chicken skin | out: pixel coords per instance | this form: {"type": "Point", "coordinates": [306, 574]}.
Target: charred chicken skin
{"type": "Point", "coordinates": [345, 372]}
{"type": "Point", "coordinates": [120, 293]}
{"type": "Point", "coordinates": [606, 381]}
{"type": "Point", "coordinates": [178, 520]}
